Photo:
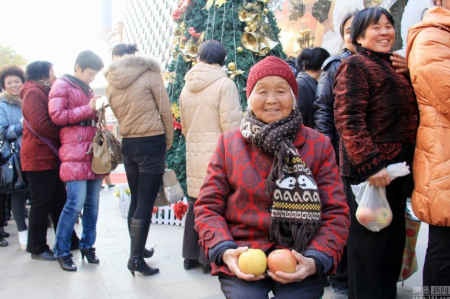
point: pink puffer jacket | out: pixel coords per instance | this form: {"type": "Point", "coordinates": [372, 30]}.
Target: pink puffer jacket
{"type": "Point", "coordinates": [68, 104]}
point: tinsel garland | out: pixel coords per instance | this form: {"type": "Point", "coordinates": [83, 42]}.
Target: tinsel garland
{"type": "Point", "coordinates": [180, 208]}
{"type": "Point", "coordinates": [203, 20]}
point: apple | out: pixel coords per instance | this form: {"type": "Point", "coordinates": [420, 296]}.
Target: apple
{"type": "Point", "coordinates": [365, 216]}
{"type": "Point", "coordinates": [383, 216]}
{"type": "Point", "coordinates": [282, 260]}
{"type": "Point", "coordinates": [253, 261]}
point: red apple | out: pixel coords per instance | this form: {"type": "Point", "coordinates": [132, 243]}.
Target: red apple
{"type": "Point", "coordinates": [365, 216]}
{"type": "Point", "coordinates": [253, 261]}
{"type": "Point", "coordinates": [282, 260]}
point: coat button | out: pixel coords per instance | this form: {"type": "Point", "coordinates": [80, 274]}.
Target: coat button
{"type": "Point", "coordinates": [415, 117]}
{"type": "Point", "coordinates": [79, 138]}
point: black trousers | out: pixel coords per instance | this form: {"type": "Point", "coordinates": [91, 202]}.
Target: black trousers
{"type": "Point", "coordinates": [2, 209]}
{"type": "Point", "coordinates": [232, 287]}
{"type": "Point", "coordinates": [375, 258]}
{"type": "Point", "coordinates": [47, 197]}
{"type": "Point", "coordinates": [144, 184]}
{"type": "Point", "coordinates": [436, 270]}
{"type": "Point", "coordinates": [191, 249]}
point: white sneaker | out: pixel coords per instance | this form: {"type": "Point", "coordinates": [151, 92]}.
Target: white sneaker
{"type": "Point", "coordinates": [23, 239]}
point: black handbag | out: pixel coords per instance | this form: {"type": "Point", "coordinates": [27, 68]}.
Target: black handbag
{"type": "Point", "coordinates": [5, 151]}
{"type": "Point", "coordinates": [11, 176]}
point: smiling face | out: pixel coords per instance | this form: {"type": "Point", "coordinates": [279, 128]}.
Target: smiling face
{"type": "Point", "coordinates": [379, 36]}
{"type": "Point", "coordinates": [271, 99]}
{"type": "Point", "coordinates": [13, 84]}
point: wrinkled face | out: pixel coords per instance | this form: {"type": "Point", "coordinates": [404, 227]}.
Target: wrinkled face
{"type": "Point", "coordinates": [51, 76]}
{"type": "Point", "coordinates": [13, 84]}
{"type": "Point", "coordinates": [347, 38]}
{"type": "Point", "coordinates": [442, 3]}
{"type": "Point", "coordinates": [271, 99]}
{"type": "Point", "coordinates": [87, 76]}
{"type": "Point", "coordinates": [379, 36]}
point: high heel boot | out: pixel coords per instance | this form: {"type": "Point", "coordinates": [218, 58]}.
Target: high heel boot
{"type": "Point", "coordinates": [147, 253]}
{"type": "Point", "coordinates": [138, 235]}
{"type": "Point", "coordinates": [89, 253]}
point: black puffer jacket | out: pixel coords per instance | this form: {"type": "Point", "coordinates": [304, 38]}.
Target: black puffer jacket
{"type": "Point", "coordinates": [323, 104]}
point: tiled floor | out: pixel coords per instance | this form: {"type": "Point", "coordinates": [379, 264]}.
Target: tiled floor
{"type": "Point", "coordinates": [22, 277]}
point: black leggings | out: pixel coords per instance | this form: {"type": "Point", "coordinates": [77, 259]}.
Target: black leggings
{"type": "Point", "coordinates": [144, 188]}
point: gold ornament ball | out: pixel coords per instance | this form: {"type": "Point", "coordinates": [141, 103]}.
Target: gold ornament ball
{"type": "Point", "coordinates": [183, 26]}
{"type": "Point", "coordinates": [246, 29]}
{"type": "Point", "coordinates": [240, 49]}
{"type": "Point", "coordinates": [266, 1]}
{"type": "Point", "coordinates": [248, 20]}
{"type": "Point", "coordinates": [265, 11]}
{"type": "Point", "coordinates": [252, 27]}
{"type": "Point", "coordinates": [194, 63]}
{"type": "Point", "coordinates": [232, 66]}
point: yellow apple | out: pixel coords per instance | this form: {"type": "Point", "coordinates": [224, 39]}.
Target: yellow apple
{"type": "Point", "coordinates": [253, 261]}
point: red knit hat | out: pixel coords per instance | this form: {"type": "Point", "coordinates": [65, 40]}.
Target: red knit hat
{"type": "Point", "coordinates": [271, 66]}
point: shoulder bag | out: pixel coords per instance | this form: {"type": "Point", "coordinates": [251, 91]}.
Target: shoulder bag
{"type": "Point", "coordinates": [170, 191]}
{"type": "Point", "coordinates": [105, 149]}
{"type": "Point", "coordinates": [11, 177]}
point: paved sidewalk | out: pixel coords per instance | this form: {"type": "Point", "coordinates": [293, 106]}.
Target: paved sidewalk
{"type": "Point", "coordinates": [22, 277]}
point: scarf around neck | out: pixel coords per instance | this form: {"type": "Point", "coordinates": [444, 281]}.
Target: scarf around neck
{"type": "Point", "coordinates": [296, 207]}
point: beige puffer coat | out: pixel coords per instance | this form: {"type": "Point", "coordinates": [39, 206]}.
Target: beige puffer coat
{"type": "Point", "coordinates": [209, 106]}
{"type": "Point", "coordinates": [139, 99]}
{"type": "Point", "coordinates": [428, 53]}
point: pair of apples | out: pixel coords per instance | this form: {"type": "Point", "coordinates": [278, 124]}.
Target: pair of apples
{"type": "Point", "coordinates": [379, 217]}
{"type": "Point", "coordinates": [254, 261]}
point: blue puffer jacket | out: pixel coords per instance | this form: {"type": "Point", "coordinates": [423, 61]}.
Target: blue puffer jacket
{"type": "Point", "coordinates": [10, 117]}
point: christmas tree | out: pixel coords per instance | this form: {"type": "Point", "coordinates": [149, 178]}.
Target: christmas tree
{"type": "Point", "coordinates": [248, 31]}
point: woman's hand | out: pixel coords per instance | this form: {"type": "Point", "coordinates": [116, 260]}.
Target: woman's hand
{"type": "Point", "coordinates": [93, 101]}
{"type": "Point", "coordinates": [380, 179]}
{"type": "Point", "coordinates": [231, 257]}
{"type": "Point", "coordinates": [305, 268]}
{"type": "Point", "coordinates": [399, 63]}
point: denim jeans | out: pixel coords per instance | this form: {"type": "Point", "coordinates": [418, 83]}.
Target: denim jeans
{"type": "Point", "coordinates": [80, 195]}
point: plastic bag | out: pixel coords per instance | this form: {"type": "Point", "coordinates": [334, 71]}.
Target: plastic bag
{"type": "Point", "coordinates": [374, 212]}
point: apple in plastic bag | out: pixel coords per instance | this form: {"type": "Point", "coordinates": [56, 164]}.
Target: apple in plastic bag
{"type": "Point", "coordinates": [365, 216]}
{"type": "Point", "coordinates": [383, 216]}
{"type": "Point", "coordinates": [282, 260]}
{"type": "Point", "coordinates": [253, 261]}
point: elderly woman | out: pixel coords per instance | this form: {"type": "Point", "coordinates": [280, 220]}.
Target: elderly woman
{"type": "Point", "coordinates": [376, 117]}
{"type": "Point", "coordinates": [39, 159]}
{"type": "Point", "coordinates": [11, 80]}
{"type": "Point", "coordinates": [273, 183]}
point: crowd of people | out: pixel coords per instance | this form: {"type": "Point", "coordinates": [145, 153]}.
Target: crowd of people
{"type": "Point", "coordinates": [279, 175]}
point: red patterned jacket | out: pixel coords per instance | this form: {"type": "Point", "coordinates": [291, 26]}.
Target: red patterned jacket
{"type": "Point", "coordinates": [232, 204]}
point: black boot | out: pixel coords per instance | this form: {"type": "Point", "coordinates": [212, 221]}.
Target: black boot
{"type": "Point", "coordinates": [89, 253]}
{"type": "Point", "coordinates": [3, 234]}
{"type": "Point", "coordinates": [147, 253]}
{"type": "Point", "coordinates": [3, 242]}
{"type": "Point", "coordinates": [138, 235]}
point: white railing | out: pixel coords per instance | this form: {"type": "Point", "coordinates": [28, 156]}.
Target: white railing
{"type": "Point", "coordinates": [164, 215]}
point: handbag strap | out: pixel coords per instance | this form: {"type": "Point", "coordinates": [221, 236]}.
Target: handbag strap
{"type": "Point", "coordinates": [45, 140]}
